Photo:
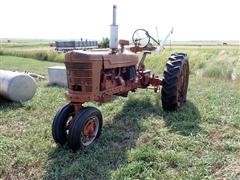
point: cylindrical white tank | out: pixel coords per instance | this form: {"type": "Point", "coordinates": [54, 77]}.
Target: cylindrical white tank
{"type": "Point", "coordinates": [17, 86]}
{"type": "Point", "coordinates": [57, 75]}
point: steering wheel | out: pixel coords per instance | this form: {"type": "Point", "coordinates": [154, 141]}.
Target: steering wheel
{"type": "Point", "coordinates": [141, 37]}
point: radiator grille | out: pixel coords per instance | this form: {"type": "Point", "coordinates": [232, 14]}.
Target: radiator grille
{"type": "Point", "coordinates": [79, 75]}
{"type": "Point", "coordinates": [76, 65]}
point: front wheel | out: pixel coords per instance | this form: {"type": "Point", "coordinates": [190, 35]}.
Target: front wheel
{"type": "Point", "coordinates": [85, 129]}
{"type": "Point", "coordinates": [175, 82]}
{"type": "Point", "coordinates": [61, 123]}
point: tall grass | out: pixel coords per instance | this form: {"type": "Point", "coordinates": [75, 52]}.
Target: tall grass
{"type": "Point", "coordinates": [213, 63]}
{"type": "Point", "coordinates": [221, 62]}
{"type": "Point", "coordinates": [25, 44]}
{"type": "Point", "coordinates": [224, 65]}
{"type": "Point", "coordinates": [39, 50]}
{"type": "Point", "coordinates": [39, 55]}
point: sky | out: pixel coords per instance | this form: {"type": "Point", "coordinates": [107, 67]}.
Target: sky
{"type": "Point", "coordinates": [91, 19]}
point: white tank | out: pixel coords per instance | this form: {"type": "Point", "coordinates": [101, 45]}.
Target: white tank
{"type": "Point", "coordinates": [17, 86]}
{"type": "Point", "coordinates": [57, 75]}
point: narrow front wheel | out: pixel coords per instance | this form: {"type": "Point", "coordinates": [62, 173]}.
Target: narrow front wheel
{"type": "Point", "coordinates": [61, 123]}
{"type": "Point", "coordinates": [85, 129]}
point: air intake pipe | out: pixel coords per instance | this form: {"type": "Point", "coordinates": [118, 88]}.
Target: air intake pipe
{"type": "Point", "coordinates": [114, 32]}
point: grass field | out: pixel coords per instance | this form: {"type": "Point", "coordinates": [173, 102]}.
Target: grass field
{"type": "Point", "coordinates": [139, 140]}
{"type": "Point", "coordinates": [39, 50]}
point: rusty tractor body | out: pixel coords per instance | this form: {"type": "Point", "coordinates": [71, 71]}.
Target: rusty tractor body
{"type": "Point", "coordinates": [97, 75]}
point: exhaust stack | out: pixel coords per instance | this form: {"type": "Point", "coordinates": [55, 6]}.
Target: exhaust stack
{"type": "Point", "coordinates": [114, 32]}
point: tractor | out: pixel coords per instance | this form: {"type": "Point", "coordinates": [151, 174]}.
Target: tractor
{"type": "Point", "coordinates": [99, 74]}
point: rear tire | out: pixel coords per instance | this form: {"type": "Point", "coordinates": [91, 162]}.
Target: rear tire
{"type": "Point", "coordinates": [175, 82]}
{"type": "Point", "coordinates": [61, 123]}
{"type": "Point", "coordinates": [85, 129]}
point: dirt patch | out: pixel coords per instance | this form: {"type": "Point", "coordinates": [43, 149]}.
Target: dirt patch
{"type": "Point", "coordinates": [215, 137]}
{"type": "Point", "coordinates": [22, 173]}
{"type": "Point", "coordinates": [10, 129]}
{"type": "Point", "coordinates": [232, 171]}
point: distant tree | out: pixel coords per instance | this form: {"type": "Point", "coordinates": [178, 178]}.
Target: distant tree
{"type": "Point", "coordinates": [104, 43]}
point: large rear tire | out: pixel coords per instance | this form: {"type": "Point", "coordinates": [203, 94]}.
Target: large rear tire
{"type": "Point", "coordinates": [175, 82]}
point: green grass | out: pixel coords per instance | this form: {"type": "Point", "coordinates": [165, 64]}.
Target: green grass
{"type": "Point", "coordinates": [25, 44]}
{"type": "Point", "coordinates": [219, 62]}
{"type": "Point", "coordinates": [209, 60]}
{"type": "Point", "coordinates": [139, 140]}
{"type": "Point", "coordinates": [25, 64]}
{"type": "Point", "coordinates": [44, 55]}
{"type": "Point", "coordinates": [39, 50]}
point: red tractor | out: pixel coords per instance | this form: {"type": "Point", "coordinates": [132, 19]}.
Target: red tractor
{"type": "Point", "coordinates": [97, 75]}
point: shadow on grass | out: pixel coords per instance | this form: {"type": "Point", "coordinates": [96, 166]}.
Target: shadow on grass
{"type": "Point", "coordinates": [109, 152]}
{"type": "Point", "coordinates": [6, 104]}
{"type": "Point", "coordinates": [54, 85]}
{"type": "Point", "coordinates": [185, 121]}
{"type": "Point", "coordinates": [119, 135]}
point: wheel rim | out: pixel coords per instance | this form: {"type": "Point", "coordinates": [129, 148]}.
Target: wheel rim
{"type": "Point", "coordinates": [90, 130]}
{"type": "Point", "coordinates": [182, 84]}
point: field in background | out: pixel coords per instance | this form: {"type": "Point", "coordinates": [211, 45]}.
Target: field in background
{"type": "Point", "coordinates": [205, 61]}
{"type": "Point", "coordinates": [139, 140]}
{"type": "Point", "coordinates": [39, 50]}
{"type": "Point", "coordinates": [209, 59]}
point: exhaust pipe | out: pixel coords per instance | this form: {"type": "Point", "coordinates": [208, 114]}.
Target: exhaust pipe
{"type": "Point", "coordinates": [114, 32]}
